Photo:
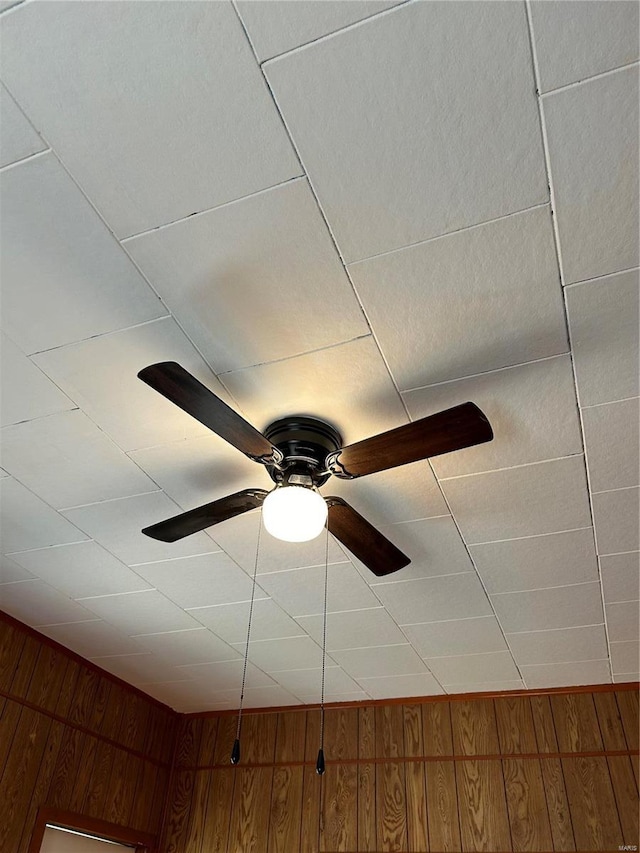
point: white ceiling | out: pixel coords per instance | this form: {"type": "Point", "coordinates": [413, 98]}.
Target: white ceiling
{"type": "Point", "coordinates": [364, 211]}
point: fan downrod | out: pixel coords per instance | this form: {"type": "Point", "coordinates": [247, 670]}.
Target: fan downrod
{"type": "Point", "coordinates": [304, 443]}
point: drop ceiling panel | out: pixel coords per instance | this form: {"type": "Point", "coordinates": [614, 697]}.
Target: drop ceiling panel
{"type": "Point", "coordinates": [200, 581]}
{"type": "Point", "coordinates": [80, 570]}
{"type": "Point", "coordinates": [348, 385]}
{"type": "Point", "coordinates": [625, 657]}
{"type": "Point", "coordinates": [456, 637]}
{"type": "Point", "coordinates": [469, 302]}
{"type": "Point", "coordinates": [66, 460]}
{"type": "Point", "coordinates": [537, 562]}
{"type": "Point", "coordinates": [146, 612]}
{"type": "Point", "coordinates": [90, 639]}
{"type": "Point", "coordinates": [19, 138]}
{"type": "Point", "coordinates": [579, 39]}
{"type": "Point", "coordinates": [612, 444]}
{"type": "Point", "coordinates": [592, 132]}
{"type": "Point", "coordinates": [531, 408]}
{"type": "Point", "coordinates": [191, 646]}
{"type": "Point", "coordinates": [435, 599]}
{"type": "Point", "coordinates": [380, 661]}
{"type": "Point", "coordinates": [128, 410]}
{"type": "Point", "coordinates": [117, 526]}
{"type": "Point", "coordinates": [287, 653]}
{"type": "Point", "coordinates": [525, 501]}
{"type": "Point", "coordinates": [230, 621]}
{"type": "Point", "coordinates": [623, 621]}
{"type": "Point", "coordinates": [474, 668]}
{"type": "Point", "coordinates": [307, 682]}
{"type": "Point", "coordinates": [616, 515]}
{"type": "Point", "coordinates": [360, 109]}
{"type": "Point", "coordinates": [603, 321]}
{"type": "Point", "coordinates": [559, 646]}
{"type": "Point", "coordinates": [543, 609]}
{"type": "Point", "coordinates": [150, 140]}
{"type": "Point", "coordinates": [139, 668]}
{"type": "Point", "coordinates": [301, 591]}
{"type": "Point", "coordinates": [261, 697]}
{"type": "Point", "coordinates": [354, 629]}
{"type": "Point", "coordinates": [60, 256]}
{"type": "Point", "coordinates": [226, 675]}
{"type": "Point", "coordinates": [26, 391]}
{"type": "Point", "coordinates": [392, 686]}
{"type": "Point", "coordinates": [278, 27]}
{"type": "Point", "coordinates": [37, 603]}
{"type": "Point", "coordinates": [486, 687]}
{"type": "Point", "coordinates": [566, 674]}
{"type": "Point", "coordinates": [265, 264]}
{"type": "Point", "coordinates": [11, 572]}
{"type": "Point", "coordinates": [621, 577]}
{"type": "Point", "coordinates": [28, 522]}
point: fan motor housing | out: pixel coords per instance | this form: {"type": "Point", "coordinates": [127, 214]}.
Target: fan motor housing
{"type": "Point", "coordinates": [305, 444]}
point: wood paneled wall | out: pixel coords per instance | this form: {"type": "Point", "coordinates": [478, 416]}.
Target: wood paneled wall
{"type": "Point", "coordinates": [74, 739]}
{"type": "Point", "coordinates": [514, 773]}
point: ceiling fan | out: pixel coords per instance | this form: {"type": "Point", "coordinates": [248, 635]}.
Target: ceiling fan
{"type": "Point", "coordinates": [300, 454]}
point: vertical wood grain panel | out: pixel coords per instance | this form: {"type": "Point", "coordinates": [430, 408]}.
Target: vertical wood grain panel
{"type": "Point", "coordinates": [576, 722]}
{"type": "Point", "coordinates": [339, 822]}
{"type": "Point", "coordinates": [286, 793]}
{"type": "Point", "coordinates": [474, 728]}
{"type": "Point", "coordinates": [628, 706]}
{"type": "Point", "coordinates": [391, 801]}
{"type": "Point", "coordinates": [258, 738]}
{"type": "Point", "coordinates": [417, 826]}
{"type": "Point", "coordinates": [442, 795]}
{"type": "Point", "coordinates": [593, 808]}
{"type": "Point", "coordinates": [366, 780]}
{"type": "Point", "coordinates": [484, 822]}
{"type": "Point", "coordinates": [516, 732]}
{"type": "Point", "coordinates": [526, 804]}
{"type": "Point", "coordinates": [311, 787]}
{"type": "Point", "coordinates": [249, 829]}
{"type": "Point", "coordinates": [218, 810]}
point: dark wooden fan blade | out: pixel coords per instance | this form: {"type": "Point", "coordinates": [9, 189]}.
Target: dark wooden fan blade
{"type": "Point", "coordinates": [453, 429]}
{"type": "Point", "coordinates": [178, 385]}
{"type": "Point", "coordinates": [363, 540]}
{"type": "Point", "coordinates": [205, 516]}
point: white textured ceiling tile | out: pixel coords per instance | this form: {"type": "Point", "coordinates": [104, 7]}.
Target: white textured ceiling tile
{"type": "Point", "coordinates": [456, 637]}
{"type": "Point", "coordinates": [301, 591]}
{"type": "Point", "coordinates": [400, 494]}
{"type": "Point", "coordinates": [308, 681]}
{"type": "Point", "coordinates": [101, 376]}
{"type": "Point", "coordinates": [348, 385]}
{"type": "Point", "coordinates": [230, 621]}
{"type": "Point", "coordinates": [621, 577]}
{"type": "Point", "coordinates": [480, 299]}
{"type": "Point", "coordinates": [567, 674]}
{"type": "Point", "coordinates": [59, 255]}
{"type": "Point", "coordinates": [354, 629]}
{"type": "Point", "coordinates": [361, 105]}
{"type": "Point", "coordinates": [623, 621]}
{"type": "Point", "coordinates": [625, 657]}
{"type": "Point", "coordinates": [612, 443]}
{"type": "Point", "coordinates": [26, 391]}
{"type": "Point", "coordinates": [544, 609]}
{"type": "Point", "coordinates": [27, 522]}
{"type": "Point", "coordinates": [194, 645]}
{"type": "Point", "coordinates": [592, 133]}
{"type": "Point", "coordinates": [624, 677]}
{"type": "Point", "coordinates": [537, 561]}
{"type": "Point", "coordinates": [235, 274]}
{"type": "Point", "coordinates": [143, 612]}
{"type": "Point", "coordinates": [138, 669]}
{"type": "Point", "coordinates": [380, 661]}
{"type": "Point", "coordinates": [199, 470]}
{"type": "Point", "coordinates": [200, 581]}
{"type": "Point", "coordinates": [276, 27]}
{"type": "Point", "coordinates": [435, 599]}
{"type": "Point", "coordinates": [90, 639]}
{"type": "Point", "coordinates": [11, 572]}
{"type": "Point", "coordinates": [578, 39]}
{"type": "Point", "coordinates": [330, 696]}
{"type": "Point", "coordinates": [36, 603]}
{"type": "Point", "coordinates": [19, 139]}
{"type": "Point", "coordinates": [144, 136]}
{"type": "Point", "coordinates": [433, 545]}
{"type": "Point", "coordinates": [395, 686]}
{"type": "Point", "coordinates": [67, 460]}
{"type": "Point", "coordinates": [239, 538]}
{"type": "Point", "coordinates": [117, 526]}
{"type": "Point", "coordinates": [486, 687]}
{"type": "Point", "coordinates": [545, 497]}
{"type": "Point", "coordinates": [225, 675]}
{"type": "Point", "coordinates": [80, 570]}
{"type": "Point", "coordinates": [605, 337]}
{"type": "Point", "coordinates": [491, 666]}
{"type": "Point", "coordinates": [532, 410]}
{"type": "Point", "coordinates": [617, 520]}
{"type": "Point", "coordinates": [263, 697]}
{"type": "Point", "coordinates": [287, 653]}
{"type": "Point", "coordinates": [186, 696]}
{"type": "Point", "coordinates": [559, 646]}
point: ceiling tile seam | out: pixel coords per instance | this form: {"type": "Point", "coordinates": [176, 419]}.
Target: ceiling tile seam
{"type": "Point", "coordinates": [530, 536]}
{"type": "Point", "coordinates": [541, 589]}
{"type": "Point", "coordinates": [485, 372]}
{"type": "Point", "coordinates": [613, 554]}
{"type": "Point", "coordinates": [59, 512]}
{"type": "Point", "coordinates": [325, 36]}
{"type": "Point", "coordinates": [446, 234]}
{"type": "Point", "coordinates": [563, 663]}
{"type": "Point", "coordinates": [12, 8]}
{"type": "Point", "coordinates": [198, 213]}
{"type": "Point", "coordinates": [619, 489]}
{"type": "Point", "coordinates": [611, 402]}
{"type": "Point", "coordinates": [61, 624]}
{"type": "Point", "coordinates": [548, 630]}
{"type": "Point", "coordinates": [109, 500]}
{"type": "Point", "coordinates": [109, 334]}
{"type": "Point", "coordinates": [585, 80]}
{"type": "Point", "coordinates": [177, 559]}
{"type": "Point", "coordinates": [26, 159]}
{"type": "Point", "coordinates": [578, 454]}
{"type": "Point", "coordinates": [601, 277]}
{"type": "Point", "coordinates": [73, 408]}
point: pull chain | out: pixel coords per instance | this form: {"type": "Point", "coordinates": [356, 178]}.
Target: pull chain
{"type": "Point", "coordinates": [320, 762]}
{"type": "Point", "coordinates": [235, 752]}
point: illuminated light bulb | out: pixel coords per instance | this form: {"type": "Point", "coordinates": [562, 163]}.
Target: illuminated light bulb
{"type": "Point", "coordinates": [294, 513]}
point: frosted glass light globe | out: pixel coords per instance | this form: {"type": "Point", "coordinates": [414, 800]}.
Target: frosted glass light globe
{"type": "Point", "coordinates": [294, 513]}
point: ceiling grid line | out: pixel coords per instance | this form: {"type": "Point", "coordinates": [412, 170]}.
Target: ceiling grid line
{"type": "Point", "coordinates": [590, 78]}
